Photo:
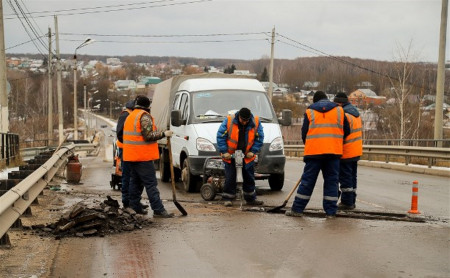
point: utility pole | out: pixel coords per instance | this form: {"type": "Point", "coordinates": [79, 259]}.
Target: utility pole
{"type": "Point", "coordinates": [3, 90]}
{"type": "Point", "coordinates": [272, 44]}
{"type": "Point", "coordinates": [75, 116]}
{"type": "Point", "coordinates": [84, 115]}
{"type": "Point", "coordinates": [58, 85]}
{"type": "Point", "coordinates": [438, 118]}
{"type": "Point", "coordinates": [50, 88]}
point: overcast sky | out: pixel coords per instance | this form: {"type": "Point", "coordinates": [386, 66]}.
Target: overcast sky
{"type": "Point", "coordinates": [368, 29]}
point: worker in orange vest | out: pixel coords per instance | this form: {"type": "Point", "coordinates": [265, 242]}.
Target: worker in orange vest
{"type": "Point", "coordinates": [351, 154]}
{"type": "Point", "coordinates": [243, 131]}
{"type": "Point", "coordinates": [126, 175]}
{"type": "Point", "coordinates": [140, 149]}
{"type": "Point", "coordinates": [323, 132]}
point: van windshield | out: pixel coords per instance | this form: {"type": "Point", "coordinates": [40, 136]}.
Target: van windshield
{"type": "Point", "coordinates": [208, 106]}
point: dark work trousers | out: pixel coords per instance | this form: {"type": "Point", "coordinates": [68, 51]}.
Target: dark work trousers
{"type": "Point", "coordinates": [126, 178]}
{"type": "Point", "coordinates": [143, 176]}
{"type": "Point", "coordinates": [330, 172]}
{"type": "Point", "coordinates": [347, 180]}
{"type": "Point", "coordinates": [248, 186]}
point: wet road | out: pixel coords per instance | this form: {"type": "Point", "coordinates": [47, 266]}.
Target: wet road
{"type": "Point", "coordinates": [213, 241]}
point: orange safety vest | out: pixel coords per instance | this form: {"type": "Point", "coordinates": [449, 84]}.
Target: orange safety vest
{"type": "Point", "coordinates": [326, 132]}
{"type": "Point", "coordinates": [118, 143]}
{"type": "Point", "coordinates": [233, 138]}
{"type": "Point", "coordinates": [134, 146]}
{"type": "Point", "coordinates": [353, 142]}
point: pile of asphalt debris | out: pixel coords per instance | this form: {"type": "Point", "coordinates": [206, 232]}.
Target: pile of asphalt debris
{"type": "Point", "coordinates": [104, 218]}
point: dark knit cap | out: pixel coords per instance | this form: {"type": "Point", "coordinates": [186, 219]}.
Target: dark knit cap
{"type": "Point", "coordinates": [245, 113]}
{"type": "Point", "coordinates": [318, 96]}
{"type": "Point", "coordinates": [340, 98]}
{"type": "Point", "coordinates": [142, 102]}
{"type": "Point", "coordinates": [130, 104]}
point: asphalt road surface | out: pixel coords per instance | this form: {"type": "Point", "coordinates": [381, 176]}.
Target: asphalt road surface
{"type": "Point", "coordinates": [214, 241]}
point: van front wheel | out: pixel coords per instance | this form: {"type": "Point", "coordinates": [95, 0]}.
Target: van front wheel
{"type": "Point", "coordinates": [276, 182]}
{"type": "Point", "coordinates": [189, 180]}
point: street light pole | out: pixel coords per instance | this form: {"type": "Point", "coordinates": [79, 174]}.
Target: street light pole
{"type": "Point", "coordinates": [75, 116]}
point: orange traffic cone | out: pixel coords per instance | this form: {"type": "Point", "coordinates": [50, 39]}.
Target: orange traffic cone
{"type": "Point", "coordinates": [414, 198]}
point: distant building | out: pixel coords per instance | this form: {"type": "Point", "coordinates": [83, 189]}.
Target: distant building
{"type": "Point", "coordinates": [124, 85]}
{"type": "Point", "coordinates": [113, 61]}
{"type": "Point", "coordinates": [311, 85]}
{"type": "Point", "coordinates": [364, 97]}
{"type": "Point", "coordinates": [364, 85]}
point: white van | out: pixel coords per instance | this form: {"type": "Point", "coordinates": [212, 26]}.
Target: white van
{"type": "Point", "coordinates": [199, 106]}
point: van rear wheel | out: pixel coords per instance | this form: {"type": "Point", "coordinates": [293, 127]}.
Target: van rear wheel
{"type": "Point", "coordinates": [276, 181]}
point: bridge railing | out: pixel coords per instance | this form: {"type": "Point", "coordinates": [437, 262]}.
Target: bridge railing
{"type": "Point", "coordinates": [9, 147]}
{"type": "Point", "coordinates": [408, 155]}
{"type": "Point", "coordinates": [16, 200]}
{"type": "Point", "coordinates": [394, 142]}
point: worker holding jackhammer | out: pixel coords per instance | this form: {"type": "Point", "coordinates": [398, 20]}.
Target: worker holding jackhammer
{"type": "Point", "coordinates": [352, 151]}
{"type": "Point", "coordinates": [323, 132]}
{"type": "Point", "coordinates": [244, 132]}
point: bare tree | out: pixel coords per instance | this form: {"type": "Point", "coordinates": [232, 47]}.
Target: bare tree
{"type": "Point", "coordinates": [401, 86]}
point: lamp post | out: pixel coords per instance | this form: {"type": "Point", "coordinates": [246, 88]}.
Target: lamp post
{"type": "Point", "coordinates": [90, 110]}
{"type": "Point", "coordinates": [75, 120]}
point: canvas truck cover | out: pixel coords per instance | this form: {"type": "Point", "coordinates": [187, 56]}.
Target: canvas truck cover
{"type": "Point", "coordinates": [165, 93]}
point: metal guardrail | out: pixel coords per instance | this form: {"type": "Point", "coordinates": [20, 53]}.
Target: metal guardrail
{"type": "Point", "coordinates": [16, 200]}
{"type": "Point", "coordinates": [374, 152]}
{"type": "Point", "coordinates": [394, 142]}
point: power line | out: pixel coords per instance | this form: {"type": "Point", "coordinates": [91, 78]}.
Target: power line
{"type": "Point", "coordinates": [26, 30]}
{"type": "Point", "coordinates": [23, 43]}
{"type": "Point", "coordinates": [316, 51]}
{"type": "Point", "coordinates": [118, 9]}
{"type": "Point", "coordinates": [168, 42]}
{"type": "Point", "coordinates": [165, 36]}
{"type": "Point", "coordinates": [30, 25]}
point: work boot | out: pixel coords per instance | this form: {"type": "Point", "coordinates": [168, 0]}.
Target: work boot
{"type": "Point", "coordinates": [141, 211]}
{"type": "Point", "coordinates": [254, 203]}
{"type": "Point", "coordinates": [129, 210]}
{"type": "Point", "coordinates": [127, 204]}
{"type": "Point", "coordinates": [293, 213]}
{"type": "Point", "coordinates": [228, 203]}
{"type": "Point", "coordinates": [342, 206]}
{"type": "Point", "coordinates": [162, 214]}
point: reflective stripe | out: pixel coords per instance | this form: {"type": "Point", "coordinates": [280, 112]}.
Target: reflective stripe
{"type": "Point", "coordinates": [415, 193]}
{"type": "Point", "coordinates": [133, 133]}
{"type": "Point", "coordinates": [305, 197]}
{"type": "Point", "coordinates": [324, 136]}
{"type": "Point", "coordinates": [347, 189]}
{"type": "Point", "coordinates": [229, 196]}
{"type": "Point", "coordinates": [137, 142]}
{"type": "Point", "coordinates": [352, 140]}
{"type": "Point", "coordinates": [329, 198]}
{"type": "Point", "coordinates": [250, 193]}
{"type": "Point", "coordinates": [314, 125]}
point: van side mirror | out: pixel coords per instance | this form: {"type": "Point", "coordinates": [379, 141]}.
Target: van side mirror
{"type": "Point", "coordinates": [175, 118]}
{"type": "Point", "coordinates": [286, 117]}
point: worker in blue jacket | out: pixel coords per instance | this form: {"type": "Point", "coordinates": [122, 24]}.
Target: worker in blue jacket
{"type": "Point", "coordinates": [244, 132]}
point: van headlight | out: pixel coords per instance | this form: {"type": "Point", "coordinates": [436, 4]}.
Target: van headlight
{"type": "Point", "coordinates": [205, 145]}
{"type": "Point", "coordinates": [276, 145]}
